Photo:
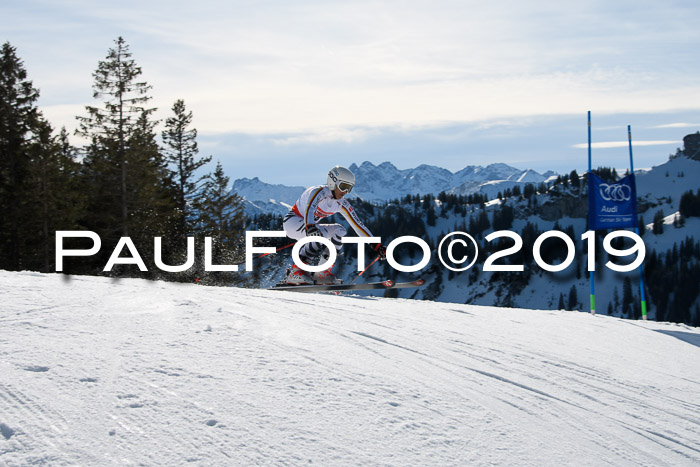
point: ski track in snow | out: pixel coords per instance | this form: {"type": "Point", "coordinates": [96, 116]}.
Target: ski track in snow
{"type": "Point", "coordinates": [98, 371]}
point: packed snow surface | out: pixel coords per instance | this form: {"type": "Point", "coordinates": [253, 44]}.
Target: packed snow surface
{"type": "Point", "coordinates": [96, 371]}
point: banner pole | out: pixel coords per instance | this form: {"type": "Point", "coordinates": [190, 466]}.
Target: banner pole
{"type": "Point", "coordinates": [592, 273]}
{"type": "Point", "coordinates": [636, 230]}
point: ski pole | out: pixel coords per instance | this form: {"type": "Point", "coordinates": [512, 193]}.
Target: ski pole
{"type": "Point", "coordinates": [365, 270]}
{"type": "Point", "coordinates": [278, 250]}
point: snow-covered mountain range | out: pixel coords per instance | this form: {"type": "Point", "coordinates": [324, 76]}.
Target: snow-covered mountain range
{"type": "Point", "coordinates": [261, 197]}
{"type": "Point", "coordinates": [384, 182]}
{"type": "Point", "coordinates": [98, 371]}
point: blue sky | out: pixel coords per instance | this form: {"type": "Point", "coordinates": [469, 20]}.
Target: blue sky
{"type": "Point", "coordinates": [284, 90]}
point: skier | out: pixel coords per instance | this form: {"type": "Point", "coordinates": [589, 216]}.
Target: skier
{"type": "Point", "coordinates": [314, 204]}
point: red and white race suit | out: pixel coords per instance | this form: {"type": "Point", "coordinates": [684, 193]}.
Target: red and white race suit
{"type": "Point", "coordinates": [317, 203]}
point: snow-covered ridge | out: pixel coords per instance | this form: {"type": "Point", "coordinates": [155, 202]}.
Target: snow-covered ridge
{"type": "Point", "coordinates": [668, 180]}
{"type": "Point", "coordinates": [384, 182]}
{"type": "Point", "coordinates": [261, 197]}
{"type": "Point", "coordinates": [98, 371]}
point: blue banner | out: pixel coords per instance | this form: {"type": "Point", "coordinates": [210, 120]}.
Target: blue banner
{"type": "Point", "coordinates": [611, 205]}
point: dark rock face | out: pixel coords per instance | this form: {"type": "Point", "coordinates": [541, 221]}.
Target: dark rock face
{"type": "Point", "coordinates": [691, 145]}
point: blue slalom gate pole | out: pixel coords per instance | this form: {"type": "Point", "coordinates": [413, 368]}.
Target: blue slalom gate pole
{"type": "Point", "coordinates": [636, 230]}
{"type": "Point", "coordinates": [592, 273]}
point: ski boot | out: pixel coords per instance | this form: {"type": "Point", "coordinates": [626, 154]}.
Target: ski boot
{"type": "Point", "coordinates": [297, 276]}
{"type": "Point", "coordinates": [325, 277]}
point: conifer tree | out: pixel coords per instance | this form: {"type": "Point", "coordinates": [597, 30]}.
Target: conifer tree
{"type": "Point", "coordinates": [430, 216]}
{"type": "Point", "coordinates": [575, 179]}
{"type": "Point", "coordinates": [110, 164]}
{"type": "Point", "coordinates": [152, 206]}
{"type": "Point", "coordinates": [658, 225]}
{"type": "Point", "coordinates": [53, 193]}
{"type": "Point", "coordinates": [18, 117]}
{"type": "Point", "coordinates": [689, 205]}
{"type": "Point", "coordinates": [573, 298]}
{"type": "Point", "coordinates": [220, 209]}
{"type": "Point", "coordinates": [220, 216]}
{"type": "Point", "coordinates": [529, 190]}
{"type": "Point", "coordinates": [180, 152]}
{"type": "Point", "coordinates": [627, 297]}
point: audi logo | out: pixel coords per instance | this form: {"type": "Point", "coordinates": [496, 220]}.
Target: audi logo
{"type": "Point", "coordinates": [615, 192]}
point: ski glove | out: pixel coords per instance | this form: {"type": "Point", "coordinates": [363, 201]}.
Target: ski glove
{"type": "Point", "coordinates": [381, 251]}
{"type": "Point", "coordinates": [313, 231]}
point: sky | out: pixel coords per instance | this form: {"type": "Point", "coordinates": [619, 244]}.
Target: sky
{"type": "Point", "coordinates": [284, 90]}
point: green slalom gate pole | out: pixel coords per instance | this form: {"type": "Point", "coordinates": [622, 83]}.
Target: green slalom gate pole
{"type": "Point", "coordinates": [592, 273]}
{"type": "Point", "coordinates": [636, 230]}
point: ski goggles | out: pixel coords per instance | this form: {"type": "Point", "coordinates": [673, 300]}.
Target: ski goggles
{"type": "Point", "coordinates": [345, 187]}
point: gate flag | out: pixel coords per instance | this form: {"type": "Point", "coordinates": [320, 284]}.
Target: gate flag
{"type": "Point", "coordinates": [611, 205]}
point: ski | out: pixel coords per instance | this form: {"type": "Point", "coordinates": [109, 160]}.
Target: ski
{"type": "Point", "coordinates": [405, 285]}
{"type": "Point", "coordinates": [310, 288]}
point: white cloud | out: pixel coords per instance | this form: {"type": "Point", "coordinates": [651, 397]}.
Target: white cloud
{"type": "Point", "coordinates": [330, 135]}
{"type": "Point", "coordinates": [322, 69]}
{"type": "Point", "coordinates": [679, 125]}
{"type": "Point", "coordinates": [274, 104]}
{"type": "Point", "coordinates": [622, 144]}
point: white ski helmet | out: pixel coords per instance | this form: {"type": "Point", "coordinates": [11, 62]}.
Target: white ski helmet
{"type": "Point", "coordinates": [341, 178]}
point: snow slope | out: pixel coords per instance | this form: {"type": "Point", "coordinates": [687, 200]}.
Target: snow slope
{"type": "Point", "coordinates": [668, 180]}
{"type": "Point", "coordinates": [99, 372]}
